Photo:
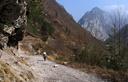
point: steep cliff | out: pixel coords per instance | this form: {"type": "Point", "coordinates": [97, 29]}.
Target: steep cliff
{"type": "Point", "coordinates": [12, 21]}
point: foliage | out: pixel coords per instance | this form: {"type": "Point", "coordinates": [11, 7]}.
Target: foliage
{"type": "Point", "coordinates": [36, 21]}
{"type": "Point", "coordinates": [90, 55]}
{"type": "Point", "coordinates": [60, 58]}
{"type": "Point", "coordinates": [117, 43]}
{"type": "Point", "coordinates": [111, 59]}
{"type": "Point", "coordinates": [117, 46]}
{"type": "Point", "coordinates": [48, 27]}
{"type": "Point", "coordinates": [118, 58]}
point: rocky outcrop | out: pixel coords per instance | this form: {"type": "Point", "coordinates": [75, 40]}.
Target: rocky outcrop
{"type": "Point", "coordinates": [12, 21]}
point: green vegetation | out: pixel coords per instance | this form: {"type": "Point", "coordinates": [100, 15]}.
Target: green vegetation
{"type": "Point", "coordinates": [111, 59]}
{"type": "Point", "coordinates": [118, 59]}
{"type": "Point", "coordinates": [90, 55]}
{"type": "Point", "coordinates": [36, 22]}
{"type": "Point", "coordinates": [117, 43]}
{"type": "Point", "coordinates": [48, 27]}
{"type": "Point", "coordinates": [60, 58]}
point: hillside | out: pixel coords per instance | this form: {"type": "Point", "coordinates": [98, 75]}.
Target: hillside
{"type": "Point", "coordinates": [19, 35]}
{"type": "Point", "coordinates": [30, 27]}
{"type": "Point", "coordinates": [68, 36]}
{"type": "Point", "coordinates": [66, 41]}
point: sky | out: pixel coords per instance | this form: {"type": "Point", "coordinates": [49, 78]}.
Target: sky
{"type": "Point", "coordinates": [77, 8]}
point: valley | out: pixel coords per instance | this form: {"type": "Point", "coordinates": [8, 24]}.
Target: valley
{"type": "Point", "coordinates": [91, 50]}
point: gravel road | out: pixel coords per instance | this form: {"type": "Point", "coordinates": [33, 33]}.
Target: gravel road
{"type": "Point", "coordinates": [47, 71]}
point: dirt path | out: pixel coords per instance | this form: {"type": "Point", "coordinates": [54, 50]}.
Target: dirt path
{"type": "Point", "coordinates": [46, 72]}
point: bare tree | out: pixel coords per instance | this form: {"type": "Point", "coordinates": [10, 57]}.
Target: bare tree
{"type": "Point", "coordinates": [118, 19]}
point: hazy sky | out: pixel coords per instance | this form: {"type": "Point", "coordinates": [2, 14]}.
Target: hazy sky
{"type": "Point", "coordinates": [77, 8]}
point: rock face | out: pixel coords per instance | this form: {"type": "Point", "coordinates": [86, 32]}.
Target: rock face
{"type": "Point", "coordinates": [12, 21]}
{"type": "Point", "coordinates": [94, 21]}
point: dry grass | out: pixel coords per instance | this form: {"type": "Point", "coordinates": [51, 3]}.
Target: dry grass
{"type": "Point", "coordinates": [8, 74]}
{"type": "Point", "coordinates": [106, 74]}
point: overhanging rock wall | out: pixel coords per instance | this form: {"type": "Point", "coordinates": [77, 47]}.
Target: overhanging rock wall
{"type": "Point", "coordinates": [12, 21]}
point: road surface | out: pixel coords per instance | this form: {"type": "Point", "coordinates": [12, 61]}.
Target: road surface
{"type": "Point", "coordinates": [47, 71]}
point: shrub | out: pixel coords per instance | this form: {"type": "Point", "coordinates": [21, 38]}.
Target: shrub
{"type": "Point", "coordinates": [117, 60]}
{"type": "Point", "coordinates": [36, 19]}
{"type": "Point", "coordinates": [49, 29]}
{"type": "Point", "coordinates": [90, 55]}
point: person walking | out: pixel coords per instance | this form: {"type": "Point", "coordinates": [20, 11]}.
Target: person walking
{"type": "Point", "coordinates": [45, 56]}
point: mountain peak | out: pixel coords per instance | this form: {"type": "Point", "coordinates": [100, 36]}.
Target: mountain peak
{"type": "Point", "coordinates": [96, 9]}
{"type": "Point", "coordinates": [93, 21]}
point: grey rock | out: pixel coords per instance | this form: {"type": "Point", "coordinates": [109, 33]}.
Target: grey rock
{"type": "Point", "coordinates": [13, 21]}
{"type": "Point", "coordinates": [94, 21]}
